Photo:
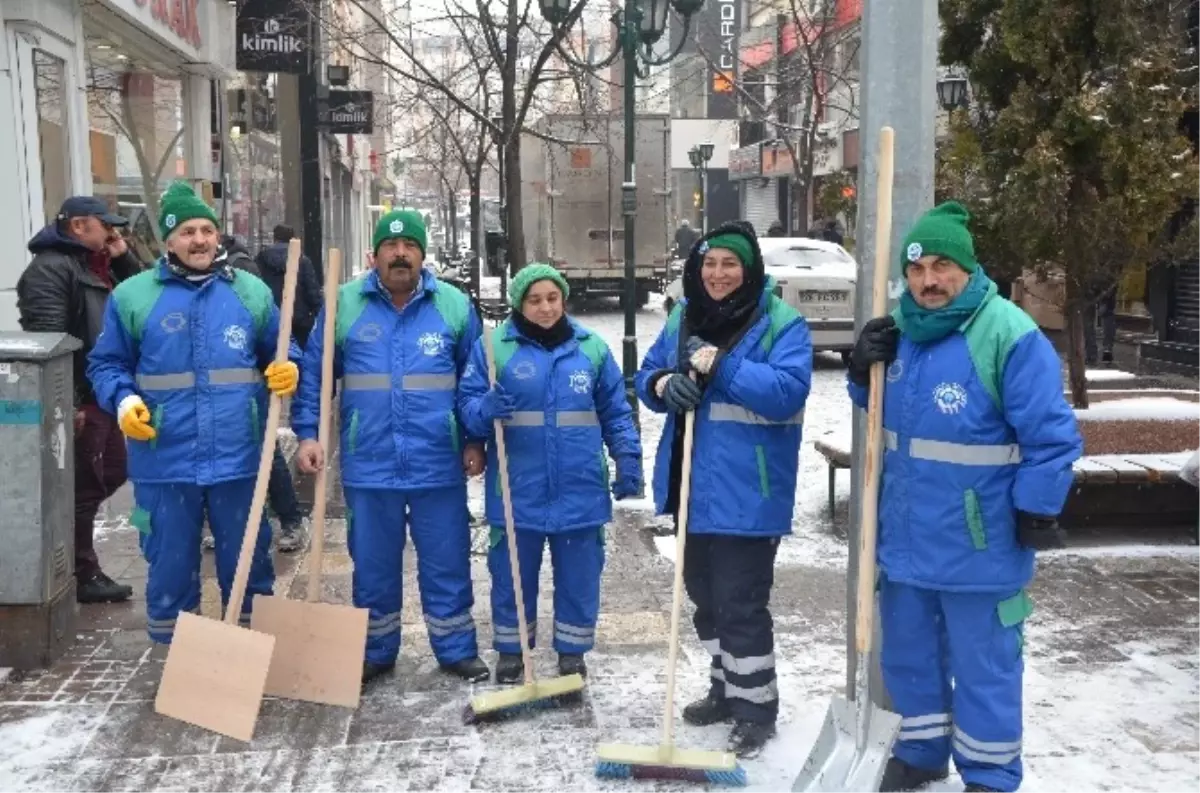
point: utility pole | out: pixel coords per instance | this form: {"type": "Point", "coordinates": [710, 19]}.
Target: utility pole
{"type": "Point", "coordinates": [899, 89]}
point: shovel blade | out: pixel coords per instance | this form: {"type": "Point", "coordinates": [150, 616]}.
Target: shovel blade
{"type": "Point", "coordinates": [318, 649]}
{"type": "Point", "coordinates": [214, 676]}
{"type": "Point", "coordinates": [836, 762]}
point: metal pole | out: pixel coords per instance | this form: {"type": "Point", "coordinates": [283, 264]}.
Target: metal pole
{"type": "Point", "coordinates": [704, 198]}
{"type": "Point", "coordinates": [899, 89]}
{"type": "Point", "coordinates": [252, 231]}
{"type": "Point", "coordinates": [629, 32]}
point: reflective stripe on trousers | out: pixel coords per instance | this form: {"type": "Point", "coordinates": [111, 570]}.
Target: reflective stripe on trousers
{"type": "Point", "coordinates": [922, 728]}
{"type": "Point", "coordinates": [564, 418]}
{"type": "Point", "coordinates": [180, 380]}
{"type": "Point", "coordinates": [956, 453]}
{"type": "Point", "coordinates": [449, 625]}
{"type": "Point", "coordinates": [574, 634]}
{"type": "Point", "coordinates": [995, 752]}
{"type": "Point", "coordinates": [724, 411]}
{"type": "Point", "coordinates": [360, 381]}
{"type": "Point", "coordinates": [388, 623]}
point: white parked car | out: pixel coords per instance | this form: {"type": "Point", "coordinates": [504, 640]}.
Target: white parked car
{"type": "Point", "coordinates": [816, 278]}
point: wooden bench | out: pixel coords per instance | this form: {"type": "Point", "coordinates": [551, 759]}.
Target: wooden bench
{"type": "Point", "coordinates": [1126, 470]}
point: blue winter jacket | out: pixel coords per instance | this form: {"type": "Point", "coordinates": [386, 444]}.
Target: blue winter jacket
{"type": "Point", "coordinates": [570, 403]}
{"type": "Point", "coordinates": [975, 428]}
{"type": "Point", "coordinates": [399, 369]}
{"type": "Point", "coordinates": [195, 356]}
{"type": "Point", "coordinates": [748, 426]}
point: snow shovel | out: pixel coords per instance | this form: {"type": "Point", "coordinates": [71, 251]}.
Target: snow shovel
{"type": "Point", "coordinates": [534, 694]}
{"type": "Point", "coordinates": [318, 646]}
{"type": "Point", "coordinates": [215, 671]}
{"type": "Point", "coordinates": [667, 761]}
{"type": "Point", "coordinates": [856, 740]}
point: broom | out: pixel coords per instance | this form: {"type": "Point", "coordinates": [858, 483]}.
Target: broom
{"type": "Point", "coordinates": [665, 761]}
{"type": "Point", "coordinates": [535, 694]}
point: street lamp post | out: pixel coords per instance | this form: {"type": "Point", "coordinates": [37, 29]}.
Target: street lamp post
{"type": "Point", "coordinates": [639, 27]}
{"type": "Point", "coordinates": [699, 156]}
{"type": "Point", "coordinates": [952, 93]}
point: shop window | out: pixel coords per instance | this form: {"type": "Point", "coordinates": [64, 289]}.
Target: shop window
{"type": "Point", "coordinates": [49, 81]}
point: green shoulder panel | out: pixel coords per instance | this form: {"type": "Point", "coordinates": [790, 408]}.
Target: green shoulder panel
{"type": "Point", "coordinates": [779, 316]}
{"type": "Point", "coordinates": [675, 317]}
{"type": "Point", "coordinates": [503, 348]}
{"type": "Point", "coordinates": [991, 334]}
{"type": "Point", "coordinates": [351, 303]}
{"type": "Point", "coordinates": [454, 307]}
{"type": "Point", "coordinates": [256, 296]}
{"type": "Point", "coordinates": [595, 349]}
{"type": "Point", "coordinates": [134, 299]}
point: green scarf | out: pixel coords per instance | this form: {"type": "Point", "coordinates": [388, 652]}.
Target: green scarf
{"type": "Point", "coordinates": [925, 325]}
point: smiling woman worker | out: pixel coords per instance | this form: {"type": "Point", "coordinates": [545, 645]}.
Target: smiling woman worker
{"type": "Point", "coordinates": [562, 400]}
{"type": "Point", "coordinates": [753, 358]}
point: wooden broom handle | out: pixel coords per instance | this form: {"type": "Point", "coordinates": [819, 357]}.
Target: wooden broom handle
{"type": "Point", "coordinates": [333, 271]}
{"type": "Point", "coordinates": [510, 531]}
{"type": "Point", "coordinates": [685, 497]}
{"type": "Point", "coordinates": [250, 538]}
{"type": "Point", "coordinates": [869, 512]}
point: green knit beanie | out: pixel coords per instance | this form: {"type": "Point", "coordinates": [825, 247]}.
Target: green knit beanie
{"type": "Point", "coordinates": [403, 223]}
{"type": "Point", "coordinates": [731, 242]}
{"type": "Point", "coordinates": [942, 231]}
{"type": "Point", "coordinates": [179, 205]}
{"type": "Point", "coordinates": [529, 275]}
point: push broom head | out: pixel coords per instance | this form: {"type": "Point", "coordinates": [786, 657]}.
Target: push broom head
{"type": "Point", "coordinates": [619, 761]}
{"type": "Point", "coordinates": [554, 692]}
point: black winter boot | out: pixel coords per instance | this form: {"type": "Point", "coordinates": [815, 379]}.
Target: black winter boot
{"type": "Point", "coordinates": [748, 737]}
{"type": "Point", "coordinates": [975, 786]}
{"type": "Point", "coordinates": [510, 668]}
{"type": "Point", "coordinates": [375, 671]}
{"type": "Point", "coordinates": [99, 588]}
{"type": "Point", "coordinates": [473, 670]}
{"type": "Point", "coordinates": [571, 664]}
{"type": "Point", "coordinates": [899, 775]}
{"type": "Point", "coordinates": [710, 710]}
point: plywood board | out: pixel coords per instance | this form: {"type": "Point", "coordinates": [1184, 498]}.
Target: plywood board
{"type": "Point", "coordinates": [1126, 470]}
{"type": "Point", "coordinates": [215, 675]}
{"type": "Point", "coordinates": [319, 649]}
{"type": "Point", "coordinates": [1087, 469]}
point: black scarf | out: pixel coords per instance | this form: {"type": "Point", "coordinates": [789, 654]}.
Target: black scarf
{"type": "Point", "coordinates": [557, 334]}
{"type": "Point", "coordinates": [220, 266]}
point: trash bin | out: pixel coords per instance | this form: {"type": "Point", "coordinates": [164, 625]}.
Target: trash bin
{"type": "Point", "coordinates": [37, 494]}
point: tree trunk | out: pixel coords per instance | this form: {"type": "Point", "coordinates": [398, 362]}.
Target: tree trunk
{"type": "Point", "coordinates": [1076, 365]}
{"type": "Point", "coordinates": [512, 198]}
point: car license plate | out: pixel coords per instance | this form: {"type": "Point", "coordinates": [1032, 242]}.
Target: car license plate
{"type": "Point", "coordinates": [823, 296]}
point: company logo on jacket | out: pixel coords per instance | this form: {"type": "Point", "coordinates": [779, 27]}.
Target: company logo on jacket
{"type": "Point", "coordinates": [580, 381]}
{"type": "Point", "coordinates": [950, 397]}
{"type": "Point", "coordinates": [174, 322]}
{"type": "Point", "coordinates": [235, 337]}
{"type": "Point", "coordinates": [430, 343]}
{"type": "Point", "coordinates": [370, 332]}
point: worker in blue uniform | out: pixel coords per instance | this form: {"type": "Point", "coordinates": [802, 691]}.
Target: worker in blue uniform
{"type": "Point", "coordinates": [181, 362]}
{"type": "Point", "coordinates": [562, 399]}
{"type": "Point", "coordinates": [978, 447]}
{"type": "Point", "coordinates": [402, 339]}
{"type": "Point", "coordinates": [751, 354]}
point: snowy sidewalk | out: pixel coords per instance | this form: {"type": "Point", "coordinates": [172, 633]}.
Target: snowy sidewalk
{"type": "Point", "coordinates": [1111, 688]}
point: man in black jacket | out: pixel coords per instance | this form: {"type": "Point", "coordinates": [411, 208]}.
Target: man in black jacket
{"type": "Point", "coordinates": [77, 260]}
{"type": "Point", "coordinates": [272, 262]}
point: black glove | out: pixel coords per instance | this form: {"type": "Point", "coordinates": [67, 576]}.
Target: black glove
{"type": "Point", "coordinates": [876, 343]}
{"type": "Point", "coordinates": [1040, 532]}
{"type": "Point", "coordinates": [681, 394]}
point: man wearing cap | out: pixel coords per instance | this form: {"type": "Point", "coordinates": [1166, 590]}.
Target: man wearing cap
{"type": "Point", "coordinates": [77, 260]}
{"type": "Point", "coordinates": [978, 448]}
{"type": "Point", "coordinates": [181, 363]}
{"type": "Point", "coordinates": [403, 339]}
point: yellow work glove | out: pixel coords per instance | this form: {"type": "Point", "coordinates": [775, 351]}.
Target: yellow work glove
{"type": "Point", "coordinates": [282, 378]}
{"type": "Point", "coordinates": [134, 418]}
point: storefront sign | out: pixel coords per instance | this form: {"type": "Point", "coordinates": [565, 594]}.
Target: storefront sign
{"type": "Point", "coordinates": [239, 108]}
{"type": "Point", "coordinates": [178, 16]}
{"type": "Point", "coordinates": [273, 36]}
{"type": "Point", "coordinates": [745, 162]}
{"type": "Point", "coordinates": [718, 27]}
{"type": "Point", "coordinates": [777, 159]}
{"type": "Point", "coordinates": [349, 112]}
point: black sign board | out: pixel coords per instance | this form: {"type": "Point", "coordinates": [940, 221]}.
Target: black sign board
{"type": "Point", "coordinates": [239, 109]}
{"type": "Point", "coordinates": [273, 36]}
{"type": "Point", "coordinates": [718, 35]}
{"type": "Point", "coordinates": [348, 112]}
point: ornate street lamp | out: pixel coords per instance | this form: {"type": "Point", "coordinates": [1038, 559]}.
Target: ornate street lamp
{"type": "Point", "coordinates": [640, 24]}
{"type": "Point", "coordinates": [952, 93]}
{"type": "Point", "coordinates": [699, 157]}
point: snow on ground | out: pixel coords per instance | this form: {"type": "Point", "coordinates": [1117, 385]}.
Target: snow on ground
{"type": "Point", "coordinates": [1107, 375]}
{"type": "Point", "coordinates": [1141, 408]}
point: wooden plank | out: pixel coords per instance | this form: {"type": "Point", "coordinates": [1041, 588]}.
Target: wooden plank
{"type": "Point", "coordinates": [836, 456]}
{"type": "Point", "coordinates": [1159, 467]}
{"type": "Point", "coordinates": [1088, 470]}
{"type": "Point", "coordinates": [1126, 470]}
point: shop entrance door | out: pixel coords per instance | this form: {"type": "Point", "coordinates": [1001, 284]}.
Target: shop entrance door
{"type": "Point", "coordinates": [46, 99]}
